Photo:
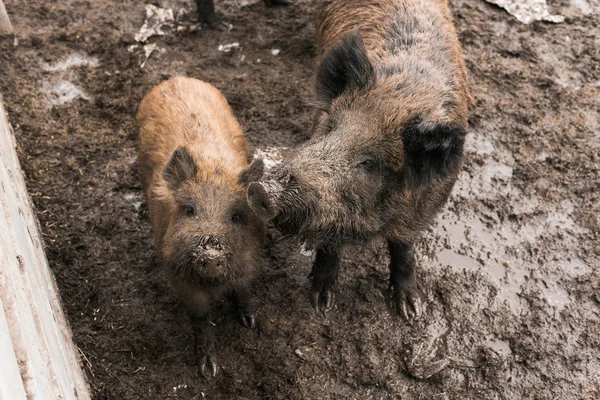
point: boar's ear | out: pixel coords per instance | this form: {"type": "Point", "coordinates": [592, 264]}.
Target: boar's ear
{"type": "Point", "coordinates": [432, 152]}
{"type": "Point", "coordinates": [346, 67]}
{"type": "Point", "coordinates": [253, 173]}
{"type": "Point", "coordinates": [181, 167]}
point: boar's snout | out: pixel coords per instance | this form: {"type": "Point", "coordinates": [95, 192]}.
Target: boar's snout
{"type": "Point", "coordinates": [211, 257]}
{"type": "Point", "coordinates": [259, 201]}
{"type": "Point", "coordinates": [265, 196]}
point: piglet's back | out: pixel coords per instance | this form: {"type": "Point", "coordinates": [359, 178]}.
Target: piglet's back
{"type": "Point", "coordinates": [186, 112]}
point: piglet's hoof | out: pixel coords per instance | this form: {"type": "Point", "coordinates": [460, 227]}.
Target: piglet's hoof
{"type": "Point", "coordinates": [247, 320]}
{"type": "Point", "coordinates": [273, 3]}
{"type": "Point", "coordinates": [406, 301]}
{"type": "Point", "coordinates": [321, 298]}
{"type": "Point", "coordinates": [207, 366]}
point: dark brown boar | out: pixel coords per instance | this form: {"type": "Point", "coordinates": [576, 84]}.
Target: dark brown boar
{"type": "Point", "coordinates": [193, 165]}
{"type": "Point", "coordinates": [206, 12]}
{"type": "Point", "coordinates": [387, 142]}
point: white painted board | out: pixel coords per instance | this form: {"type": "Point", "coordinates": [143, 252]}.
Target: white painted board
{"type": "Point", "coordinates": [38, 358]}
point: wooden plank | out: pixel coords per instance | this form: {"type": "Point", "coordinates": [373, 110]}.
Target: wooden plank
{"type": "Point", "coordinates": [11, 385]}
{"type": "Point", "coordinates": [34, 321]}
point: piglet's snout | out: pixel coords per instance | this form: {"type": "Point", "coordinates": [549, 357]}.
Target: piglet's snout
{"type": "Point", "coordinates": [211, 257]}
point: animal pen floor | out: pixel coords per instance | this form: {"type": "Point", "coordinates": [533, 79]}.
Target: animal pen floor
{"type": "Point", "coordinates": [510, 271]}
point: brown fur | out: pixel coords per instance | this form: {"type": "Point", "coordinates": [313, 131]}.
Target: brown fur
{"type": "Point", "coordinates": [426, 34]}
{"type": "Point", "coordinates": [412, 45]}
{"type": "Point", "coordinates": [427, 62]}
{"type": "Point", "coordinates": [187, 113]}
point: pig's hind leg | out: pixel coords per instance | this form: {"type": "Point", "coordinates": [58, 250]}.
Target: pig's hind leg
{"type": "Point", "coordinates": [243, 307]}
{"type": "Point", "coordinates": [403, 283]}
{"type": "Point", "coordinates": [204, 344]}
{"type": "Point", "coordinates": [324, 274]}
{"type": "Point", "coordinates": [206, 12]}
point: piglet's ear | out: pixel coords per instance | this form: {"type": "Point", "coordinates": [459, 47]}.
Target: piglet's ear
{"type": "Point", "coordinates": [253, 173]}
{"type": "Point", "coordinates": [432, 153]}
{"type": "Point", "coordinates": [346, 67]}
{"type": "Point", "coordinates": [181, 167]}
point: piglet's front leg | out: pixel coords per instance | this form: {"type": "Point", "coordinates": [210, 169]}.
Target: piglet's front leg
{"type": "Point", "coordinates": [204, 345]}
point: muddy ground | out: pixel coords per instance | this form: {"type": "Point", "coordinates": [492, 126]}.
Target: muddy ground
{"type": "Point", "coordinates": [510, 272]}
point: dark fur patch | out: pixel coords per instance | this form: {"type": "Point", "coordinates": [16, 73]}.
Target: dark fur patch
{"type": "Point", "coordinates": [431, 154]}
{"type": "Point", "coordinates": [449, 105]}
{"type": "Point", "coordinates": [345, 68]}
{"type": "Point", "coordinates": [180, 168]}
{"type": "Point", "coordinates": [402, 33]}
{"type": "Point", "coordinates": [349, 201]}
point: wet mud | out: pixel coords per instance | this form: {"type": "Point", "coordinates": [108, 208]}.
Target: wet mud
{"type": "Point", "coordinates": [510, 271]}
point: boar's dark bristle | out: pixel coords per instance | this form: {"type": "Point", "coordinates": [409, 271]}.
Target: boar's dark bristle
{"type": "Point", "coordinates": [388, 138]}
{"type": "Point", "coordinates": [346, 67]}
{"type": "Point", "coordinates": [180, 168]}
{"type": "Point", "coordinates": [432, 153]}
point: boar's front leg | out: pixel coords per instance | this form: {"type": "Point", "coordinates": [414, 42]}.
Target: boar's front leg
{"type": "Point", "coordinates": [403, 283]}
{"type": "Point", "coordinates": [204, 345]}
{"type": "Point", "coordinates": [243, 307]}
{"type": "Point", "coordinates": [323, 275]}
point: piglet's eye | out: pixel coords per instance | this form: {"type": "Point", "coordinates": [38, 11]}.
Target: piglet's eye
{"type": "Point", "coordinates": [189, 211]}
{"type": "Point", "coordinates": [237, 218]}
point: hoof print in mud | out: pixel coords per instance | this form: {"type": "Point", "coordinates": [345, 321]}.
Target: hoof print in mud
{"type": "Point", "coordinates": [406, 302]}
{"type": "Point", "coordinates": [422, 361]}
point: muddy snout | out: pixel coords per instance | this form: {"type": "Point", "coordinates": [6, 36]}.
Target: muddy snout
{"type": "Point", "coordinates": [264, 196]}
{"type": "Point", "coordinates": [259, 201]}
{"type": "Point", "coordinates": [211, 258]}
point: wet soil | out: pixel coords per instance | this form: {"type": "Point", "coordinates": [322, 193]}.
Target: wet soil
{"type": "Point", "coordinates": [510, 271]}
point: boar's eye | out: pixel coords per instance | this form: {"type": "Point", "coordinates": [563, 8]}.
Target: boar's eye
{"type": "Point", "coordinates": [189, 211]}
{"type": "Point", "coordinates": [367, 165]}
{"type": "Point", "coordinates": [238, 217]}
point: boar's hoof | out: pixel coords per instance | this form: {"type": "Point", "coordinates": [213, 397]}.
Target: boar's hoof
{"type": "Point", "coordinates": [207, 366]}
{"type": "Point", "coordinates": [259, 201]}
{"type": "Point", "coordinates": [214, 22]}
{"type": "Point", "coordinates": [321, 298]}
{"type": "Point", "coordinates": [406, 301]}
{"type": "Point", "coordinates": [273, 3]}
{"type": "Point", "coordinates": [219, 25]}
{"type": "Point", "coordinates": [247, 320]}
